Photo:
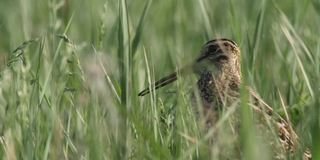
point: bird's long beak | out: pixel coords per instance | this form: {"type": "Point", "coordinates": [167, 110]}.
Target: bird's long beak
{"type": "Point", "coordinates": [168, 79]}
{"type": "Point", "coordinates": [160, 83]}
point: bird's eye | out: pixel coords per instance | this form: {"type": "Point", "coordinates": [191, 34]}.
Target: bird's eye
{"type": "Point", "coordinates": [213, 48]}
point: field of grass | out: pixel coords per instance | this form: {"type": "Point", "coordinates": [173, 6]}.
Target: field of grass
{"type": "Point", "coordinates": [70, 73]}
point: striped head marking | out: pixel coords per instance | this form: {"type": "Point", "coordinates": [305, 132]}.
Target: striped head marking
{"type": "Point", "coordinates": [220, 54]}
{"type": "Point", "coordinates": [219, 50]}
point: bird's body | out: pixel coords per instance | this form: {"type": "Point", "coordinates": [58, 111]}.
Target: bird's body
{"type": "Point", "coordinates": [219, 72]}
{"type": "Point", "coordinates": [218, 86]}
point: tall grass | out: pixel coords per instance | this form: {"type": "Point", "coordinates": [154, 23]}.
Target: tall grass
{"type": "Point", "coordinates": [71, 72]}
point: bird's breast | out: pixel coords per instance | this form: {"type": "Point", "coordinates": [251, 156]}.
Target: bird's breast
{"type": "Point", "coordinates": [216, 89]}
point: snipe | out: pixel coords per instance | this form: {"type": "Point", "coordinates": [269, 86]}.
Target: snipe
{"type": "Point", "coordinates": [218, 68]}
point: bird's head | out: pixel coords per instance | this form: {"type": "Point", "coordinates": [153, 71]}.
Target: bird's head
{"type": "Point", "coordinates": [222, 55]}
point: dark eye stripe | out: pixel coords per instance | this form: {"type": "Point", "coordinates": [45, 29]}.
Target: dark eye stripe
{"type": "Point", "coordinates": [222, 58]}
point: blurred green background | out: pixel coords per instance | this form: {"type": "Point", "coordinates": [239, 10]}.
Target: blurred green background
{"type": "Point", "coordinates": [71, 71]}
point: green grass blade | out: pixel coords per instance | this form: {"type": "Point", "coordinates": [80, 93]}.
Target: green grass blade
{"type": "Point", "coordinates": [206, 20]}
{"type": "Point", "coordinates": [139, 29]}
{"type": "Point", "coordinates": [45, 85]}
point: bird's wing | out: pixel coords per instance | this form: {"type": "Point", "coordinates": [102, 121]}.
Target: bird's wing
{"type": "Point", "coordinates": [287, 135]}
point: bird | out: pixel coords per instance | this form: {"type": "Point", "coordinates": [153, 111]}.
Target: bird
{"type": "Point", "coordinates": [218, 85]}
